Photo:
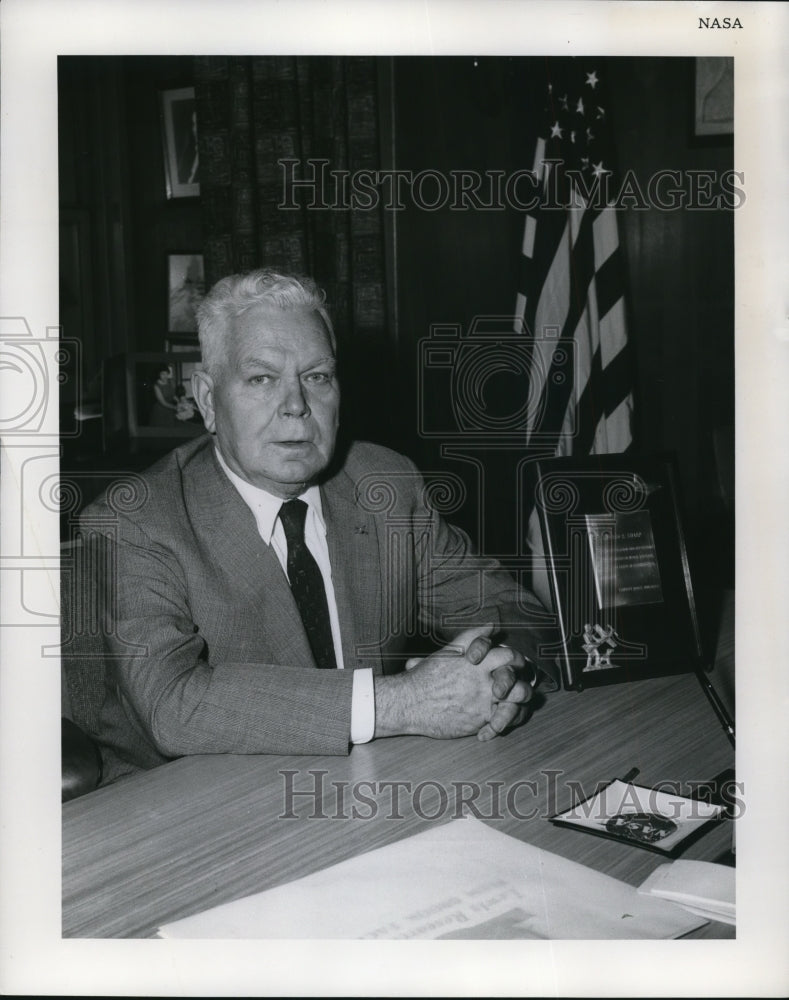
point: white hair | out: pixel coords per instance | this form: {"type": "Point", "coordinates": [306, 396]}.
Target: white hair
{"type": "Point", "coordinates": [232, 296]}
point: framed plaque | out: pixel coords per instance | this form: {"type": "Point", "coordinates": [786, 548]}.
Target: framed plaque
{"type": "Point", "coordinates": [618, 568]}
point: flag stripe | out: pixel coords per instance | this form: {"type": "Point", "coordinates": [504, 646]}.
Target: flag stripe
{"type": "Point", "coordinates": [551, 233]}
{"type": "Point", "coordinates": [618, 424]}
{"type": "Point", "coordinates": [617, 381]}
{"type": "Point", "coordinates": [588, 410]}
{"type": "Point", "coordinates": [529, 234]}
{"type": "Point", "coordinates": [613, 331]}
{"type": "Point", "coordinates": [608, 280]}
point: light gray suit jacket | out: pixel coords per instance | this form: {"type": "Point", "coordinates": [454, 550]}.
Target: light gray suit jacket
{"type": "Point", "coordinates": [205, 648]}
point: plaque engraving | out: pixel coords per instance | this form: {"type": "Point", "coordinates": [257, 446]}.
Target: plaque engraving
{"type": "Point", "coordinates": [624, 559]}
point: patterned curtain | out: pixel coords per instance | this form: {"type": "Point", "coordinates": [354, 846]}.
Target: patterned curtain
{"type": "Point", "coordinates": [256, 111]}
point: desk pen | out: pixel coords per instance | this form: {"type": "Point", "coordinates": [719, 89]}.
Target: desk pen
{"type": "Point", "coordinates": [719, 708]}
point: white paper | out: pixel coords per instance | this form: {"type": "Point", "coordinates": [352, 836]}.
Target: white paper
{"type": "Point", "coordinates": [700, 886]}
{"type": "Point", "coordinates": [460, 880]}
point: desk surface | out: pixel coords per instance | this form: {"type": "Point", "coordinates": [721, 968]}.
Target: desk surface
{"type": "Point", "coordinates": [202, 831]}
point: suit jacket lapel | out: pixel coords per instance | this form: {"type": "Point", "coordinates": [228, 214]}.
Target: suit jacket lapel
{"type": "Point", "coordinates": [356, 567]}
{"type": "Point", "coordinates": [228, 532]}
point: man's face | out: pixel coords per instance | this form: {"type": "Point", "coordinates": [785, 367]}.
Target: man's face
{"type": "Point", "coordinates": [274, 404]}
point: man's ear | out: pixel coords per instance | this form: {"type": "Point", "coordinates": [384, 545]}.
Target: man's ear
{"type": "Point", "coordinates": [203, 392]}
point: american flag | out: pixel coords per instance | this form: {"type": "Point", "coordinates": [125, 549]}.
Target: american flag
{"type": "Point", "coordinates": [571, 289]}
{"type": "Point", "coordinates": [570, 293]}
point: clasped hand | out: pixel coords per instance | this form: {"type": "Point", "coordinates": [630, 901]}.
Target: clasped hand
{"type": "Point", "coordinates": [469, 686]}
{"type": "Point", "coordinates": [511, 685]}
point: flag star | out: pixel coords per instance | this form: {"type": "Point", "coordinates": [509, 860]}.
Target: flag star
{"type": "Point", "coordinates": [556, 131]}
{"type": "Point", "coordinates": [572, 136]}
{"type": "Point", "coordinates": [563, 102]}
{"type": "Point", "coordinates": [598, 169]}
{"type": "Point", "coordinates": [589, 135]}
{"type": "Point", "coordinates": [585, 162]}
{"type": "Point", "coordinates": [579, 107]}
{"type": "Point", "coordinates": [592, 79]}
{"type": "Point", "coordinates": [550, 88]}
{"type": "Point", "coordinates": [600, 112]}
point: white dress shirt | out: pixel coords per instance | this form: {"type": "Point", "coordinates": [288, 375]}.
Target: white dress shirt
{"type": "Point", "coordinates": [265, 508]}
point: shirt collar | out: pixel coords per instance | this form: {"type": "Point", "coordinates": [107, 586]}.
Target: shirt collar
{"type": "Point", "coordinates": [265, 506]}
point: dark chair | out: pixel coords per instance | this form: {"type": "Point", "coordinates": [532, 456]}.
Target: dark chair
{"type": "Point", "coordinates": [80, 761]}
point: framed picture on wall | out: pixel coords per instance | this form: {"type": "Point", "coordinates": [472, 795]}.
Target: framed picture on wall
{"type": "Point", "coordinates": [185, 290]}
{"type": "Point", "coordinates": [179, 136]}
{"type": "Point", "coordinates": [714, 95]}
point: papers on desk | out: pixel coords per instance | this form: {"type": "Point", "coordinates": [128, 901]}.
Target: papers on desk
{"type": "Point", "coordinates": [459, 880]}
{"type": "Point", "coordinates": [701, 887]}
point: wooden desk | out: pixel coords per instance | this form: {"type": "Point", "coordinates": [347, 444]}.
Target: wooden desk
{"type": "Point", "coordinates": [205, 830]}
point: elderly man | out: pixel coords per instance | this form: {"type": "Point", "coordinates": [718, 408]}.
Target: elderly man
{"type": "Point", "coordinates": [268, 580]}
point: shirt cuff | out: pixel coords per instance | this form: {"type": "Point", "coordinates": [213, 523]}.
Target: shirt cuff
{"type": "Point", "coordinates": [362, 706]}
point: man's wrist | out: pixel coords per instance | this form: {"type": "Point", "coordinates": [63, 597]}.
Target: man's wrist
{"type": "Point", "coordinates": [395, 706]}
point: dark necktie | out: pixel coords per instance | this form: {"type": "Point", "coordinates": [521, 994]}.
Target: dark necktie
{"type": "Point", "coordinates": [306, 582]}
